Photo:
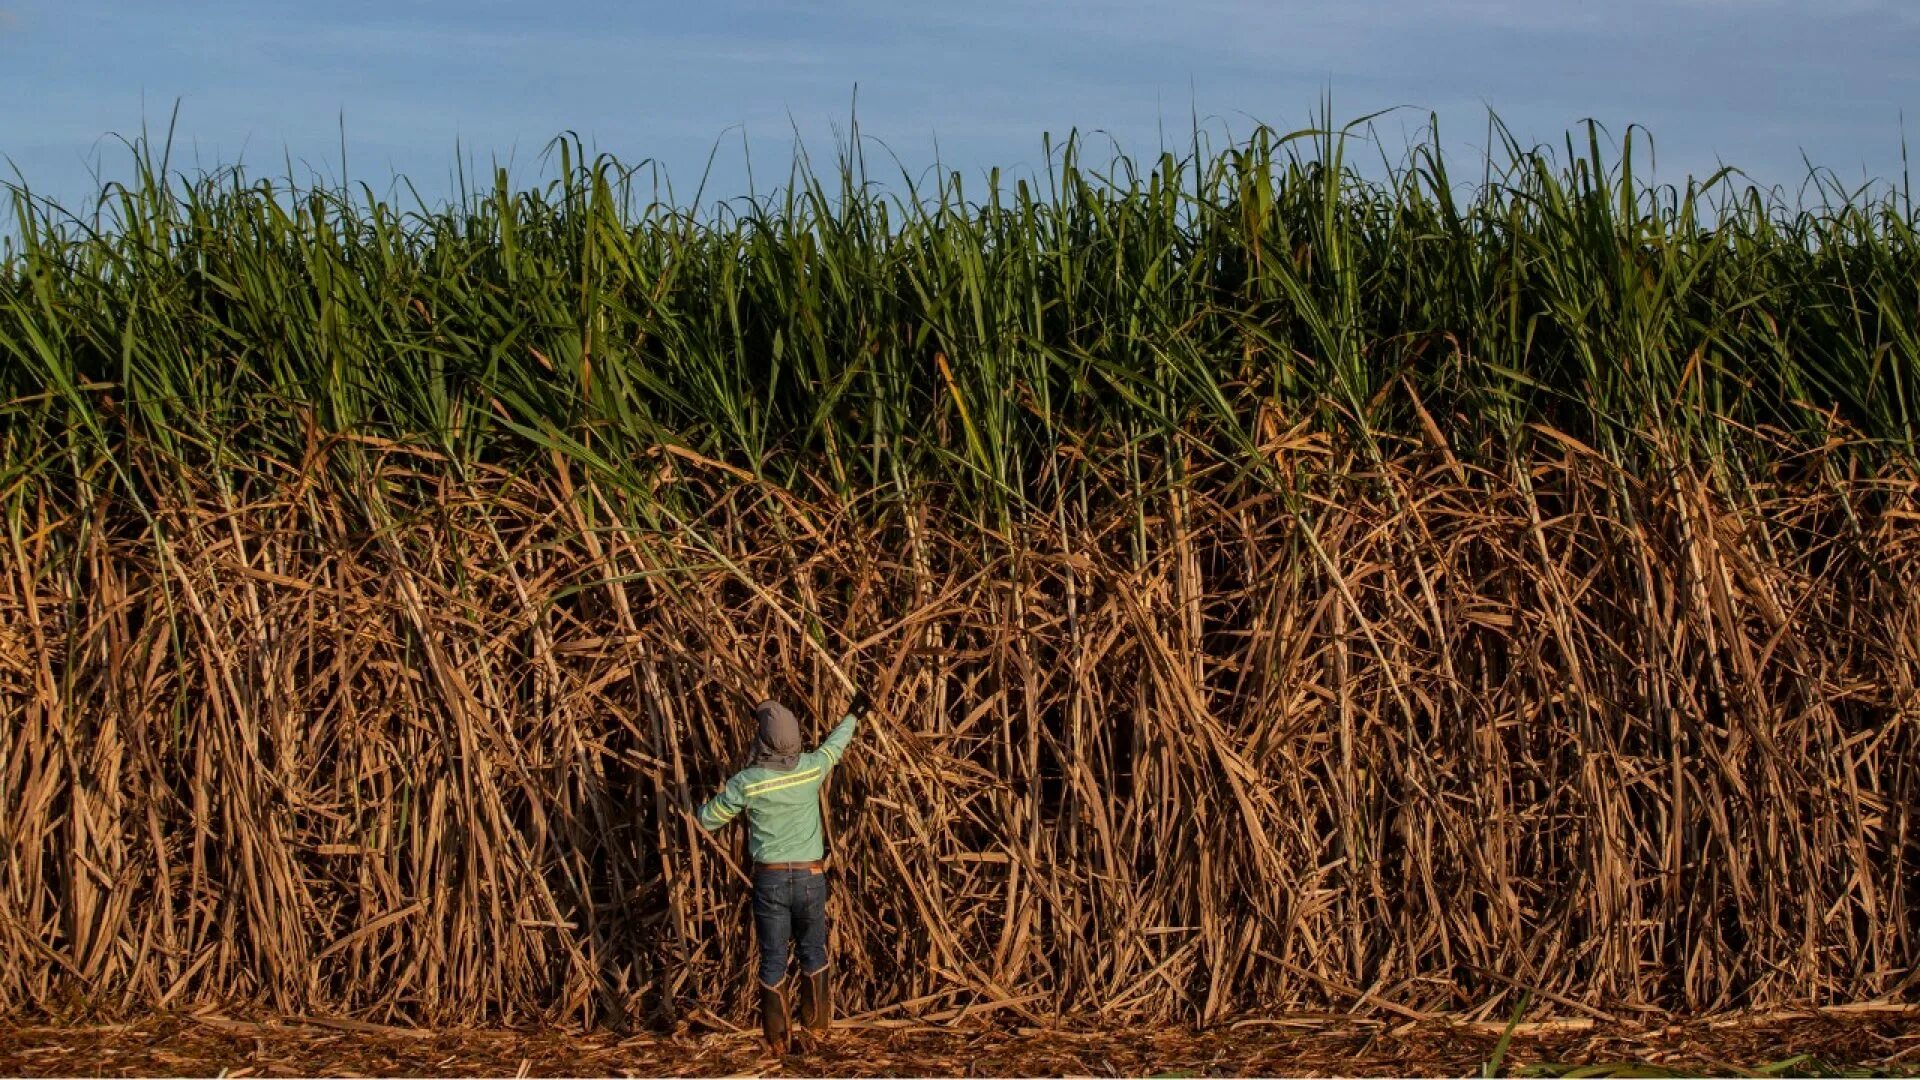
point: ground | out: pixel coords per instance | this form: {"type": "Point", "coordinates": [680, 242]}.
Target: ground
{"type": "Point", "coordinates": [208, 1043]}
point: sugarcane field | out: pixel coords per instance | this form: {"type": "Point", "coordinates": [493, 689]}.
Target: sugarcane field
{"type": "Point", "coordinates": [1294, 602]}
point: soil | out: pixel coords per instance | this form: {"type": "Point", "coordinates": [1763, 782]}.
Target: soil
{"type": "Point", "coordinates": [209, 1044]}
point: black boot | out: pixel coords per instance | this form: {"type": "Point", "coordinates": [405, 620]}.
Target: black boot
{"type": "Point", "coordinates": [816, 1000]}
{"type": "Point", "coordinates": [773, 1017]}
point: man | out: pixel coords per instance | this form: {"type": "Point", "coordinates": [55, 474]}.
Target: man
{"type": "Point", "coordinates": [779, 790]}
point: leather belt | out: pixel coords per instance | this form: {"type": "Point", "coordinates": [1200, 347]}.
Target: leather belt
{"type": "Point", "coordinates": [814, 867]}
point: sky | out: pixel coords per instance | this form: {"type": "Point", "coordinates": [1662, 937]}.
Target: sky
{"type": "Point", "coordinates": [1760, 84]}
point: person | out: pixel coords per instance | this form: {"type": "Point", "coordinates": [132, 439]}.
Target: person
{"type": "Point", "coordinates": [778, 790]}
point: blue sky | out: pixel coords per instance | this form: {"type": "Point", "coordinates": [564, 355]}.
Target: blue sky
{"type": "Point", "coordinates": [1750, 82]}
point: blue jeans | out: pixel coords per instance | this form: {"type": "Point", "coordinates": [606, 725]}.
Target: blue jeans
{"type": "Point", "coordinates": [790, 910]}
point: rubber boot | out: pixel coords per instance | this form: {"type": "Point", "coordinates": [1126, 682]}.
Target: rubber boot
{"type": "Point", "coordinates": [816, 1000]}
{"type": "Point", "coordinates": [773, 1018]}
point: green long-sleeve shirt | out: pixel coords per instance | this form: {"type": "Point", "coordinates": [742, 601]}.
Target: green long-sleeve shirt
{"type": "Point", "coordinates": [783, 808]}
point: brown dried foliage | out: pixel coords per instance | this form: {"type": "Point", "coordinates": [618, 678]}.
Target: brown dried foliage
{"type": "Point", "coordinates": [1432, 737]}
{"type": "Point", "coordinates": [205, 1044]}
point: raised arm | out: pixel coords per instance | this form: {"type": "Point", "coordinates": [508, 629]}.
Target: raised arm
{"type": "Point", "coordinates": [724, 806]}
{"type": "Point", "coordinates": [835, 747]}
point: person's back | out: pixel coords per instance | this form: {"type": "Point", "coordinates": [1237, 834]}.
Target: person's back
{"type": "Point", "coordinates": [779, 792]}
{"type": "Point", "coordinates": [782, 806]}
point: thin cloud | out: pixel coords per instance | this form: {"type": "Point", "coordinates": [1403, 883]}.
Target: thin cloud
{"type": "Point", "coordinates": [1756, 82]}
